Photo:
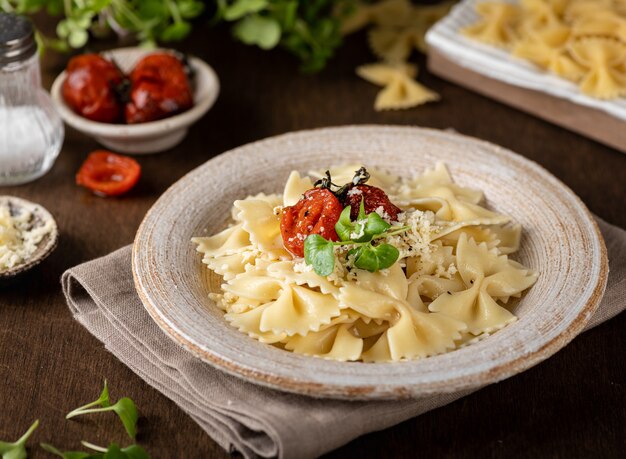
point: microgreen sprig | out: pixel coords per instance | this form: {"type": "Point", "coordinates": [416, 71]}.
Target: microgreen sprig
{"type": "Point", "coordinates": [112, 452]}
{"type": "Point", "coordinates": [125, 409]}
{"type": "Point", "coordinates": [319, 252]}
{"type": "Point", "coordinates": [17, 449]}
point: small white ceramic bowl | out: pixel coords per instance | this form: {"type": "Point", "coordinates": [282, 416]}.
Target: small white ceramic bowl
{"type": "Point", "coordinates": [150, 137]}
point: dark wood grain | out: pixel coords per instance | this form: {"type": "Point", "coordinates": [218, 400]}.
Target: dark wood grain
{"type": "Point", "coordinates": [572, 405]}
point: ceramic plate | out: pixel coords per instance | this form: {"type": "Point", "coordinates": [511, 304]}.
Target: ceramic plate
{"type": "Point", "coordinates": [561, 241]}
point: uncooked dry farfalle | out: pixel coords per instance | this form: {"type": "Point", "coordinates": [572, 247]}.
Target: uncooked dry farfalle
{"type": "Point", "coordinates": [604, 60]}
{"type": "Point", "coordinates": [548, 49]}
{"type": "Point", "coordinates": [400, 88]}
{"type": "Point", "coordinates": [497, 25]}
{"type": "Point", "coordinates": [395, 42]}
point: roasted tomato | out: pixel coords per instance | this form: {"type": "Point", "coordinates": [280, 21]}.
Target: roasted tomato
{"type": "Point", "coordinates": [90, 88]}
{"type": "Point", "coordinates": [108, 174]}
{"type": "Point", "coordinates": [159, 88]}
{"type": "Point", "coordinates": [316, 213]}
{"type": "Point", "coordinates": [373, 199]}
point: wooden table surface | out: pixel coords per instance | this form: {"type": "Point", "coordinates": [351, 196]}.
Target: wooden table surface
{"type": "Point", "coordinates": [572, 405]}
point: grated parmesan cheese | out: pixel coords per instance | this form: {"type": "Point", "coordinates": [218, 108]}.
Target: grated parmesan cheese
{"type": "Point", "coordinates": [19, 237]}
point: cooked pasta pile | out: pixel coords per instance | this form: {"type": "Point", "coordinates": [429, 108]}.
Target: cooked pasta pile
{"type": "Point", "coordinates": [450, 286]}
{"type": "Point", "coordinates": [581, 40]}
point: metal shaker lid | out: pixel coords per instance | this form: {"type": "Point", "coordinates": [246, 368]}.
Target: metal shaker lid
{"type": "Point", "coordinates": [17, 38]}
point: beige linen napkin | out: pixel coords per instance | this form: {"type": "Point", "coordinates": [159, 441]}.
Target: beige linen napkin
{"type": "Point", "coordinates": [240, 416]}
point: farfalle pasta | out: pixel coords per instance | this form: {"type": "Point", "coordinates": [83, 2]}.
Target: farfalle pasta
{"type": "Point", "coordinates": [400, 89]}
{"type": "Point", "coordinates": [583, 41]}
{"type": "Point", "coordinates": [449, 285]}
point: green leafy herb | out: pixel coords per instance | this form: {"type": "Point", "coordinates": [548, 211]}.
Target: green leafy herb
{"type": "Point", "coordinates": [374, 258]}
{"type": "Point", "coordinates": [17, 449]}
{"type": "Point", "coordinates": [362, 234]}
{"type": "Point", "coordinates": [364, 229]}
{"type": "Point", "coordinates": [258, 30]}
{"type": "Point", "coordinates": [319, 253]}
{"type": "Point", "coordinates": [344, 225]}
{"type": "Point", "coordinates": [112, 452]}
{"type": "Point", "coordinates": [67, 454]}
{"type": "Point", "coordinates": [125, 409]}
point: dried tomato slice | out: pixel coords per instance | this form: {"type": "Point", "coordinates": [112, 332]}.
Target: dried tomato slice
{"type": "Point", "coordinates": [90, 88]}
{"type": "Point", "coordinates": [159, 88]}
{"type": "Point", "coordinates": [316, 213]}
{"type": "Point", "coordinates": [108, 174]}
{"type": "Point", "coordinates": [373, 198]}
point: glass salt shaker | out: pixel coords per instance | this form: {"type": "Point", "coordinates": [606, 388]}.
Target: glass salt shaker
{"type": "Point", "coordinates": [31, 131]}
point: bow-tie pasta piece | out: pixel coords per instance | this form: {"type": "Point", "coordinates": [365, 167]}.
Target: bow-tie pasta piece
{"type": "Point", "coordinates": [263, 225]}
{"type": "Point", "coordinates": [600, 23]}
{"type": "Point", "coordinates": [285, 309]}
{"type": "Point", "coordinates": [336, 343]}
{"type": "Point", "coordinates": [548, 49]}
{"type": "Point", "coordinates": [231, 240]}
{"type": "Point", "coordinates": [420, 186]}
{"type": "Point", "coordinates": [438, 261]}
{"type": "Point", "coordinates": [295, 187]}
{"type": "Point", "coordinates": [497, 25]}
{"type": "Point", "coordinates": [400, 89]}
{"type": "Point", "coordinates": [580, 9]}
{"type": "Point", "coordinates": [415, 335]}
{"type": "Point", "coordinates": [367, 303]}
{"type": "Point", "coordinates": [604, 59]}
{"type": "Point", "coordinates": [288, 272]}
{"type": "Point", "coordinates": [486, 275]}
{"type": "Point", "coordinates": [391, 282]}
{"type": "Point", "coordinates": [542, 13]}
{"type": "Point", "coordinates": [424, 289]}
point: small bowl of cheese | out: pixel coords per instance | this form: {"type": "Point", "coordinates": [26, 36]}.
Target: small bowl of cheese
{"type": "Point", "coordinates": [28, 234]}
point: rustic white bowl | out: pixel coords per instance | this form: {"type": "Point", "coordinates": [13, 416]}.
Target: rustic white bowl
{"type": "Point", "coordinates": [45, 247]}
{"type": "Point", "coordinates": [560, 240]}
{"type": "Point", "coordinates": [153, 136]}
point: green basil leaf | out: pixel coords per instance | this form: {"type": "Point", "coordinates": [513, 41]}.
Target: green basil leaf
{"type": "Point", "coordinates": [319, 253]}
{"type": "Point", "coordinates": [135, 452]}
{"type": "Point", "coordinates": [344, 225]}
{"type": "Point", "coordinates": [190, 9]}
{"type": "Point", "coordinates": [78, 38]}
{"type": "Point", "coordinates": [127, 412]}
{"type": "Point", "coordinates": [17, 449]}
{"type": "Point", "coordinates": [176, 31]}
{"type": "Point", "coordinates": [373, 259]}
{"type": "Point", "coordinates": [243, 7]}
{"type": "Point", "coordinates": [361, 215]}
{"type": "Point", "coordinates": [258, 30]}
{"type": "Point", "coordinates": [375, 225]}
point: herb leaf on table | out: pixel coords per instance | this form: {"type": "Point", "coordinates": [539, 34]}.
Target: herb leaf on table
{"type": "Point", "coordinates": [17, 449]}
{"type": "Point", "coordinates": [112, 452]}
{"type": "Point", "coordinates": [124, 408]}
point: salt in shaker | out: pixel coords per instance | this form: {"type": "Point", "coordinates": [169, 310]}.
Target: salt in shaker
{"type": "Point", "coordinates": [31, 131]}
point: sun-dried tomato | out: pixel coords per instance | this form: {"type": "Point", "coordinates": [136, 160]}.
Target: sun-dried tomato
{"type": "Point", "coordinates": [159, 88]}
{"type": "Point", "coordinates": [108, 174]}
{"type": "Point", "coordinates": [373, 199]}
{"type": "Point", "coordinates": [90, 88]}
{"type": "Point", "coordinates": [316, 213]}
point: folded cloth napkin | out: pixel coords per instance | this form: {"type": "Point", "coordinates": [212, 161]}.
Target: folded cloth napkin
{"type": "Point", "coordinates": [254, 420]}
